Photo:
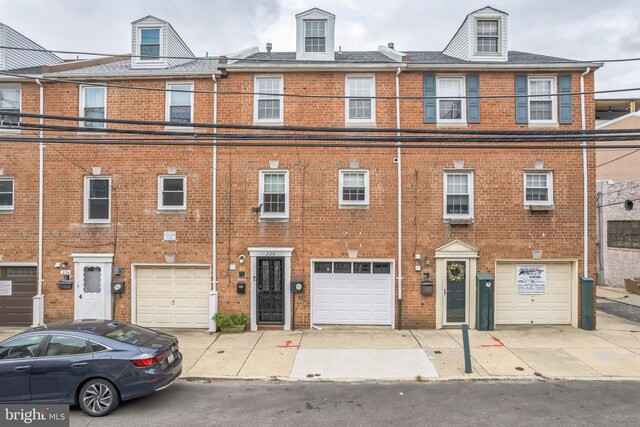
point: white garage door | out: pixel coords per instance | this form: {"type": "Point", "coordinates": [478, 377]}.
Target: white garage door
{"type": "Point", "coordinates": [173, 297]}
{"type": "Point", "coordinates": [352, 293]}
{"type": "Point", "coordinates": [543, 295]}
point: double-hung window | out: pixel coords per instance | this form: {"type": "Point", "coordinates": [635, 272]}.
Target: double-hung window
{"type": "Point", "coordinates": [362, 107]}
{"type": "Point", "coordinates": [542, 106]}
{"type": "Point", "coordinates": [538, 188]}
{"type": "Point", "coordinates": [149, 44]}
{"type": "Point", "coordinates": [97, 199]}
{"type": "Point", "coordinates": [458, 195]}
{"type": "Point", "coordinates": [315, 36]}
{"type": "Point", "coordinates": [93, 105]}
{"type": "Point", "coordinates": [172, 192]}
{"type": "Point", "coordinates": [274, 194]}
{"type": "Point", "coordinates": [487, 35]}
{"type": "Point", "coordinates": [9, 102]}
{"type": "Point", "coordinates": [268, 102]}
{"type": "Point", "coordinates": [179, 104]}
{"type": "Point", "coordinates": [354, 187]}
{"type": "Point", "coordinates": [451, 102]}
{"type": "Point", "coordinates": [6, 194]}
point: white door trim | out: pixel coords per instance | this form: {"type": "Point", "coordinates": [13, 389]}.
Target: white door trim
{"type": "Point", "coordinates": [456, 250]}
{"type": "Point", "coordinates": [392, 261]}
{"type": "Point", "coordinates": [135, 265]}
{"type": "Point", "coordinates": [275, 252]}
{"type": "Point", "coordinates": [107, 261]}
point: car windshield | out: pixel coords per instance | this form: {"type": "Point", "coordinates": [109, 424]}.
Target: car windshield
{"type": "Point", "coordinates": [132, 334]}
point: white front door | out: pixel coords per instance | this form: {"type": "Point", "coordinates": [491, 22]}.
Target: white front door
{"type": "Point", "coordinates": [92, 279]}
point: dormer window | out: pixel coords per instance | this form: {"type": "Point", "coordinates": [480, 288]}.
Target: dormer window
{"type": "Point", "coordinates": [487, 35]}
{"type": "Point", "coordinates": [315, 33]}
{"type": "Point", "coordinates": [150, 44]}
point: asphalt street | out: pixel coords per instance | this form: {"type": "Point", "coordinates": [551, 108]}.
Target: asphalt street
{"type": "Point", "coordinates": [620, 309]}
{"type": "Point", "coordinates": [263, 403]}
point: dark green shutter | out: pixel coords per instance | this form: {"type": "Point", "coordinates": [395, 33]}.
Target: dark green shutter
{"type": "Point", "coordinates": [430, 98]}
{"type": "Point", "coordinates": [522, 110]}
{"type": "Point", "coordinates": [473, 104]}
{"type": "Point", "coordinates": [566, 109]}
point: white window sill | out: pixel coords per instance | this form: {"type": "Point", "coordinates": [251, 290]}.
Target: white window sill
{"type": "Point", "coordinates": [273, 219]}
{"type": "Point", "coordinates": [268, 122]}
{"type": "Point", "coordinates": [459, 220]}
{"type": "Point", "coordinates": [10, 130]}
{"type": "Point", "coordinates": [538, 125]}
{"type": "Point", "coordinates": [100, 132]}
{"type": "Point", "coordinates": [179, 211]}
{"type": "Point", "coordinates": [96, 224]}
{"type": "Point", "coordinates": [357, 124]}
{"type": "Point", "coordinates": [349, 206]}
{"type": "Point", "coordinates": [545, 207]}
{"type": "Point", "coordinates": [451, 125]}
{"type": "Point", "coordinates": [179, 128]}
{"type": "Point", "coordinates": [5, 211]}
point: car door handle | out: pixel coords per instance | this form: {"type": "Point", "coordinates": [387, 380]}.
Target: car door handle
{"type": "Point", "coordinates": [78, 364]}
{"type": "Point", "coordinates": [21, 368]}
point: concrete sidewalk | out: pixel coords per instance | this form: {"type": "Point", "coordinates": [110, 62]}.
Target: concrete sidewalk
{"type": "Point", "coordinates": [558, 352]}
{"type": "Point", "coordinates": [618, 294]}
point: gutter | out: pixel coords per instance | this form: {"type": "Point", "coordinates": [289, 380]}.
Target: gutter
{"type": "Point", "coordinates": [38, 307]}
{"type": "Point", "coordinates": [399, 157]}
{"type": "Point", "coordinates": [585, 210]}
{"type": "Point", "coordinates": [214, 202]}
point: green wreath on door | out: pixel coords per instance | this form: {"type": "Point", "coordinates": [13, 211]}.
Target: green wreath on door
{"type": "Point", "coordinates": [455, 273]}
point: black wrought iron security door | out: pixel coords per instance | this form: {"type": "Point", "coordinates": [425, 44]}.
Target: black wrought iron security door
{"type": "Point", "coordinates": [270, 290]}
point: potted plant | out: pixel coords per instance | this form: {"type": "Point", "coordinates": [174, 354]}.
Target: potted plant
{"type": "Point", "coordinates": [231, 323]}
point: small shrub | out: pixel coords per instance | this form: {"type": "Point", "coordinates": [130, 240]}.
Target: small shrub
{"type": "Point", "coordinates": [223, 319]}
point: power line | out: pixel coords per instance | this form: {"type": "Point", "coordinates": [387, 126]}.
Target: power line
{"type": "Point", "coordinates": [276, 60]}
{"type": "Point", "coordinates": [617, 158]}
{"type": "Point", "coordinates": [223, 142]}
{"type": "Point", "coordinates": [299, 95]}
{"type": "Point", "coordinates": [553, 134]}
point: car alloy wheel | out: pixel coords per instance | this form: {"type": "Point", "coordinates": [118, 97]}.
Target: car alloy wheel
{"type": "Point", "coordinates": [98, 398]}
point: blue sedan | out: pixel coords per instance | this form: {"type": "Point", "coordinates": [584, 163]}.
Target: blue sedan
{"type": "Point", "coordinates": [92, 363]}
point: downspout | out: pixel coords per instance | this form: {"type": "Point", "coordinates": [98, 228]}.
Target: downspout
{"type": "Point", "coordinates": [399, 163]}
{"type": "Point", "coordinates": [39, 310]}
{"type": "Point", "coordinates": [585, 209]}
{"type": "Point", "coordinates": [213, 303]}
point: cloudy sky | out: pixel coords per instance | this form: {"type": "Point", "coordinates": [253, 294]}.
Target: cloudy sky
{"type": "Point", "coordinates": [577, 29]}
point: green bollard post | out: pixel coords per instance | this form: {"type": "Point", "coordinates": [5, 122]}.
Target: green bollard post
{"type": "Point", "coordinates": [467, 350]}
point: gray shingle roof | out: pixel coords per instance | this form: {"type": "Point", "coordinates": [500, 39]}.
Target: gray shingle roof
{"type": "Point", "coordinates": [123, 68]}
{"type": "Point", "coordinates": [434, 57]}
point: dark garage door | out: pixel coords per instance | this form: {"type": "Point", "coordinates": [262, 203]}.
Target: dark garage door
{"type": "Point", "coordinates": [21, 282]}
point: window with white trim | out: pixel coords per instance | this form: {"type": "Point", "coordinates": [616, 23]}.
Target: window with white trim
{"type": "Point", "coordinates": [97, 199]}
{"type": "Point", "coordinates": [179, 103]}
{"type": "Point", "coordinates": [315, 36]}
{"type": "Point", "coordinates": [10, 102]}
{"type": "Point", "coordinates": [362, 108]}
{"type": "Point", "coordinates": [268, 103]}
{"type": "Point", "coordinates": [274, 194]}
{"type": "Point", "coordinates": [542, 106]}
{"type": "Point", "coordinates": [172, 192]}
{"type": "Point", "coordinates": [354, 187]}
{"type": "Point", "coordinates": [458, 194]}
{"type": "Point", "coordinates": [93, 105]}
{"type": "Point", "coordinates": [6, 194]}
{"type": "Point", "coordinates": [538, 188]}
{"type": "Point", "coordinates": [487, 35]}
{"type": "Point", "coordinates": [149, 44]}
{"type": "Point", "coordinates": [451, 103]}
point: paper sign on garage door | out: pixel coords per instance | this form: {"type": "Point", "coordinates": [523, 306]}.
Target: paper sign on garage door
{"type": "Point", "coordinates": [531, 279]}
{"type": "Point", "coordinates": [5, 288]}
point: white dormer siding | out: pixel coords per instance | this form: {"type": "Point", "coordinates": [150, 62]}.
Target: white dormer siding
{"type": "Point", "coordinates": [315, 30]}
{"type": "Point", "coordinates": [464, 44]}
{"type": "Point", "coordinates": [11, 59]}
{"type": "Point", "coordinates": [170, 44]}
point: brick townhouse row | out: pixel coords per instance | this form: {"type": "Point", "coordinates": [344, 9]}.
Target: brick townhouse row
{"type": "Point", "coordinates": [296, 236]}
